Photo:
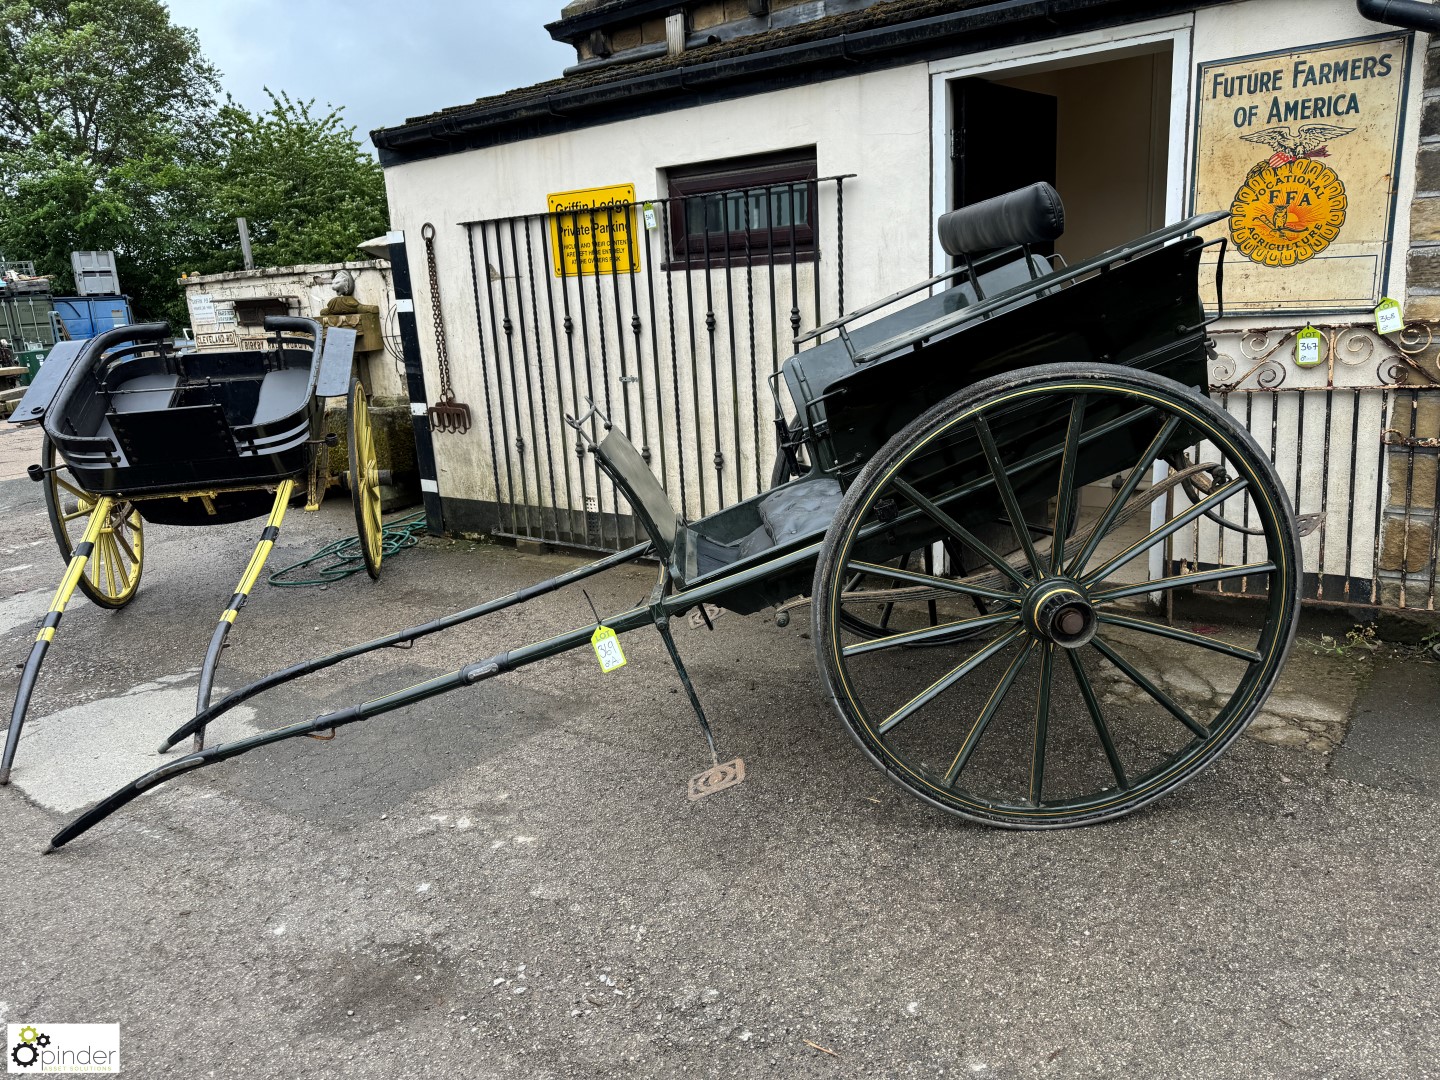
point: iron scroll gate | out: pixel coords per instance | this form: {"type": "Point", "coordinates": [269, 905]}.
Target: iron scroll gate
{"type": "Point", "coordinates": [677, 345]}
{"type": "Point", "coordinates": [1354, 439]}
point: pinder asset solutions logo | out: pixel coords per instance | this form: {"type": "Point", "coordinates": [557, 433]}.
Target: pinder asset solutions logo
{"type": "Point", "coordinates": [62, 1048]}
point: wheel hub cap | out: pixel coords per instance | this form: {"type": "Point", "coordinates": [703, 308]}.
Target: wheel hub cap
{"type": "Point", "coordinates": [1058, 610]}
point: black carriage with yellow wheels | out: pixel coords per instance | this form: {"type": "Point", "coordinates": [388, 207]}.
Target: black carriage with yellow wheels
{"type": "Point", "coordinates": [985, 487]}
{"type": "Point", "coordinates": [137, 430]}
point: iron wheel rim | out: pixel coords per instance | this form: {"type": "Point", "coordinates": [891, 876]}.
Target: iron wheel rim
{"type": "Point", "coordinates": [1020, 646]}
{"type": "Point", "coordinates": [112, 573]}
{"type": "Point", "coordinates": [365, 481]}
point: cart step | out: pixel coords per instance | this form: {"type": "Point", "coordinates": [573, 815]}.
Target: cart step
{"type": "Point", "coordinates": [717, 778]}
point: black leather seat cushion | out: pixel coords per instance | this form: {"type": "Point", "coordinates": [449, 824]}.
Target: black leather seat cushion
{"type": "Point", "coordinates": [801, 508]}
{"type": "Point", "coordinates": [1031, 215]}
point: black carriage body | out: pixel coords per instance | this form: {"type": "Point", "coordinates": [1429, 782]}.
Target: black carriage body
{"type": "Point", "coordinates": [1138, 306]}
{"type": "Point", "coordinates": [136, 418]}
{"type": "Point", "coordinates": [1145, 313]}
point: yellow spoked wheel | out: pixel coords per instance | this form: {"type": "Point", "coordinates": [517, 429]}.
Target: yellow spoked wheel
{"type": "Point", "coordinates": [365, 480]}
{"type": "Point", "coordinates": [112, 574]}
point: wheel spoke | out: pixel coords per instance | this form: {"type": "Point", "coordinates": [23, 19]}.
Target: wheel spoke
{"type": "Point", "coordinates": [958, 531]}
{"type": "Point", "coordinates": [928, 564]}
{"type": "Point", "coordinates": [1162, 698]}
{"type": "Point", "coordinates": [1174, 525]}
{"type": "Point", "coordinates": [1122, 496]}
{"type": "Point", "coordinates": [939, 686]}
{"type": "Point", "coordinates": [81, 495]}
{"type": "Point", "coordinates": [1066, 492]}
{"type": "Point", "coordinates": [930, 633]}
{"type": "Point", "coordinates": [79, 513]}
{"type": "Point", "coordinates": [102, 551]}
{"type": "Point", "coordinates": [119, 562]}
{"type": "Point", "coordinates": [1007, 494]}
{"type": "Point", "coordinates": [917, 578]}
{"type": "Point", "coordinates": [977, 729]}
{"type": "Point", "coordinates": [1042, 722]}
{"type": "Point", "coordinates": [1181, 580]}
{"type": "Point", "coordinates": [1098, 719]}
{"type": "Point", "coordinates": [125, 544]}
{"type": "Point", "coordinates": [1145, 626]}
{"type": "Point", "coordinates": [889, 608]}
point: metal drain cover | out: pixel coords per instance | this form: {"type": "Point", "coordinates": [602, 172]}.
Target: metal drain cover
{"type": "Point", "coordinates": [717, 778]}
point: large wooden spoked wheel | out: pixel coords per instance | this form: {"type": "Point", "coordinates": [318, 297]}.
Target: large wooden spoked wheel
{"type": "Point", "coordinates": [365, 480]}
{"type": "Point", "coordinates": [112, 573]}
{"type": "Point", "coordinates": [1067, 702]}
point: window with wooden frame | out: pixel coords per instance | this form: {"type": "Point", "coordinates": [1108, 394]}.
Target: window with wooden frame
{"type": "Point", "coordinates": [758, 209]}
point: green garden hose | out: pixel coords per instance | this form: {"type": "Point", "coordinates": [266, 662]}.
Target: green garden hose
{"type": "Point", "coordinates": [342, 558]}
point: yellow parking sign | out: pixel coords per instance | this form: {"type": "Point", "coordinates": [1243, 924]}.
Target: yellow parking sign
{"type": "Point", "coordinates": [591, 231]}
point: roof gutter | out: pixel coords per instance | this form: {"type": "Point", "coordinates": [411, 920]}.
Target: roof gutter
{"type": "Point", "coordinates": [1406, 14]}
{"type": "Point", "coordinates": [840, 49]}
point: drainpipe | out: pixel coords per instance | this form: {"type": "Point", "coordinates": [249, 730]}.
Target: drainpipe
{"type": "Point", "coordinates": [1407, 14]}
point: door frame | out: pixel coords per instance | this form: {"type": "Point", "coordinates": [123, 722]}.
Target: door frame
{"type": "Point", "coordinates": [1177, 30]}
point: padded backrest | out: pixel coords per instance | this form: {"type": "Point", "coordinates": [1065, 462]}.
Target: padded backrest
{"type": "Point", "coordinates": [145, 393]}
{"type": "Point", "coordinates": [282, 392]}
{"type": "Point", "coordinates": [1030, 215]}
{"type": "Point", "coordinates": [619, 458]}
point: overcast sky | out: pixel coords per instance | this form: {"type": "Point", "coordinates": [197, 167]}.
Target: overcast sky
{"type": "Point", "coordinates": [383, 61]}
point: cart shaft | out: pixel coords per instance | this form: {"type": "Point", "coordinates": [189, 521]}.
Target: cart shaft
{"type": "Point", "coordinates": [248, 579]}
{"type": "Point", "coordinates": [81, 555]}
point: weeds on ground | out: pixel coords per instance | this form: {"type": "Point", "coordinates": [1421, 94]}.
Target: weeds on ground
{"type": "Point", "coordinates": [1430, 644]}
{"type": "Point", "coordinates": [1358, 640]}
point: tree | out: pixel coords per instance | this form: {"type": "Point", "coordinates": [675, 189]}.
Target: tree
{"type": "Point", "coordinates": [112, 138]}
{"type": "Point", "coordinates": [103, 120]}
{"type": "Point", "coordinates": [300, 178]}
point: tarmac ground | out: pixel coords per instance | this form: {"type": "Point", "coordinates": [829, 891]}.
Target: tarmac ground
{"type": "Point", "coordinates": [509, 881]}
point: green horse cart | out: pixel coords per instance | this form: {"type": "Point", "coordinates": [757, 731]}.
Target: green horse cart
{"type": "Point", "coordinates": [984, 483]}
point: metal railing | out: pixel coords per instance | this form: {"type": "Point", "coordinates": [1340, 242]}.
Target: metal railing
{"type": "Point", "coordinates": [672, 330]}
{"type": "Point", "coordinates": [677, 344]}
{"type": "Point", "coordinates": [1354, 440]}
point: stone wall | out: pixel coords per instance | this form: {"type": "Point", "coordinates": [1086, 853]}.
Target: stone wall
{"type": "Point", "coordinates": [1408, 543]}
{"type": "Point", "coordinates": [306, 290]}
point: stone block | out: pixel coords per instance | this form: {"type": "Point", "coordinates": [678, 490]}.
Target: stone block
{"type": "Point", "coordinates": [1423, 268]}
{"type": "Point", "coordinates": [1423, 306]}
{"type": "Point", "coordinates": [1418, 478]}
{"type": "Point", "coordinates": [652, 30]}
{"type": "Point", "coordinates": [1432, 68]}
{"type": "Point", "coordinates": [1406, 548]}
{"type": "Point", "coordinates": [1425, 217]}
{"type": "Point", "coordinates": [626, 37]}
{"type": "Point", "coordinates": [1427, 415]}
{"type": "Point", "coordinates": [1390, 592]}
{"type": "Point", "coordinates": [704, 16]}
{"type": "Point", "coordinates": [1427, 169]}
{"type": "Point", "coordinates": [1430, 119]}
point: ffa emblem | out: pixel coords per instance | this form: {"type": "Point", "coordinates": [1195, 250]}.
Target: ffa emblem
{"type": "Point", "coordinates": [1290, 206]}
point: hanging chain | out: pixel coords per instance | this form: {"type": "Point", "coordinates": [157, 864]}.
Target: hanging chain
{"type": "Point", "coordinates": [446, 393]}
{"type": "Point", "coordinates": [447, 414]}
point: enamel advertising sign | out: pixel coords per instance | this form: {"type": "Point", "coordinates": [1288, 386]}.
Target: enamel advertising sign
{"type": "Point", "coordinates": [1302, 147]}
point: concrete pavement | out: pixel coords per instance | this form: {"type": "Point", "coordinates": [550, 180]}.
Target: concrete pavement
{"type": "Point", "coordinates": [509, 882]}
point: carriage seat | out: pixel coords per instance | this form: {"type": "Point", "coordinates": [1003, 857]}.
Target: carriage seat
{"type": "Point", "coordinates": [145, 393]}
{"type": "Point", "coordinates": [282, 392]}
{"type": "Point", "coordinates": [800, 508]}
{"type": "Point", "coordinates": [1028, 215]}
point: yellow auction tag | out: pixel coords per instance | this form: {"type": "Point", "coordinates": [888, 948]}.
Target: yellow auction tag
{"type": "Point", "coordinates": [607, 649]}
{"type": "Point", "coordinates": [1307, 347]}
{"type": "Point", "coordinates": [1387, 316]}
